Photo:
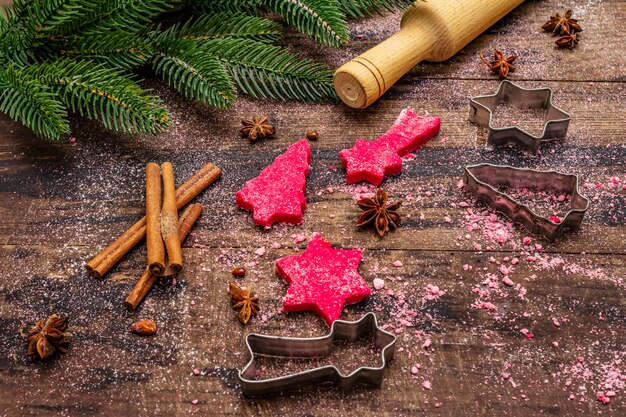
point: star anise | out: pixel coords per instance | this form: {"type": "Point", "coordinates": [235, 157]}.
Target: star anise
{"type": "Point", "coordinates": [257, 128]}
{"type": "Point", "coordinates": [244, 301]}
{"type": "Point", "coordinates": [500, 65]}
{"type": "Point", "coordinates": [46, 338]}
{"type": "Point", "coordinates": [378, 212]}
{"type": "Point", "coordinates": [562, 25]}
{"type": "Point", "coordinates": [568, 41]}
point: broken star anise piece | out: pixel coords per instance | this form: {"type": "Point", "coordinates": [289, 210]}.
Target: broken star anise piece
{"type": "Point", "coordinates": [562, 25]}
{"type": "Point", "coordinates": [257, 128]}
{"type": "Point", "coordinates": [500, 65]}
{"type": "Point", "coordinates": [47, 337]}
{"type": "Point", "coordinates": [244, 301]}
{"type": "Point", "coordinates": [568, 41]}
{"type": "Point", "coordinates": [144, 327]}
{"type": "Point", "coordinates": [378, 212]}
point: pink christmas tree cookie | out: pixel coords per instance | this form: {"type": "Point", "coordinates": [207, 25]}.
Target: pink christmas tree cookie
{"type": "Point", "coordinates": [373, 161]}
{"type": "Point", "coordinates": [322, 279]}
{"type": "Point", "coordinates": [277, 194]}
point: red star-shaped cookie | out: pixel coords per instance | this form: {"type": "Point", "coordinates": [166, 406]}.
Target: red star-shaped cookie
{"type": "Point", "coordinates": [322, 279]}
{"type": "Point", "coordinates": [277, 194]}
{"type": "Point", "coordinates": [373, 161]}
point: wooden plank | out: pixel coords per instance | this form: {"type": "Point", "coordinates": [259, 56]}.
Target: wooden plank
{"type": "Point", "coordinates": [60, 203]}
{"type": "Point", "coordinates": [469, 351]}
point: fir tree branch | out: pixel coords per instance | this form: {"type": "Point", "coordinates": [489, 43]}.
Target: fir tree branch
{"type": "Point", "coordinates": [266, 71]}
{"type": "Point", "coordinates": [224, 25]}
{"type": "Point", "coordinates": [321, 20]}
{"type": "Point", "coordinates": [364, 8]}
{"type": "Point", "coordinates": [102, 93]}
{"type": "Point", "coordinates": [15, 38]}
{"type": "Point", "coordinates": [32, 104]}
{"type": "Point", "coordinates": [114, 15]}
{"type": "Point", "coordinates": [194, 74]}
{"type": "Point", "coordinates": [118, 49]}
{"type": "Point", "coordinates": [249, 7]}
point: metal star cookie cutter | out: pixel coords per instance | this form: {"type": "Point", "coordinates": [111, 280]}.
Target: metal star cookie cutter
{"type": "Point", "coordinates": [483, 179]}
{"type": "Point", "coordinates": [289, 347]}
{"type": "Point", "coordinates": [556, 120]}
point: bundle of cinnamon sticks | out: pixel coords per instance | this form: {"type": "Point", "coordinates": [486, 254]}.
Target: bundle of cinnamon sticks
{"type": "Point", "coordinates": [164, 231]}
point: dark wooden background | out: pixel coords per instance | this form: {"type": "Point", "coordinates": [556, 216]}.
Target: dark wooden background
{"type": "Point", "coordinates": [61, 203]}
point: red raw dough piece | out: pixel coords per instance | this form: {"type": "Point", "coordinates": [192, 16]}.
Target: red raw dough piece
{"type": "Point", "coordinates": [322, 279]}
{"type": "Point", "coordinates": [373, 161]}
{"type": "Point", "coordinates": [277, 194]}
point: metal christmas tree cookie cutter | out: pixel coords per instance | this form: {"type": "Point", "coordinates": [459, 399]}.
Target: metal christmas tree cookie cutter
{"type": "Point", "coordinates": [482, 180]}
{"type": "Point", "coordinates": [555, 125]}
{"type": "Point", "coordinates": [288, 347]}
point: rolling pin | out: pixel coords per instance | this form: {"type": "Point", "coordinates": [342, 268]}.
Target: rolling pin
{"type": "Point", "coordinates": [433, 31]}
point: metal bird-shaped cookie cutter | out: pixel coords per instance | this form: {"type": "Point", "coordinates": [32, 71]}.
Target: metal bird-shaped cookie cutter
{"type": "Point", "coordinates": [288, 347]}
{"type": "Point", "coordinates": [555, 125]}
{"type": "Point", "coordinates": [483, 180]}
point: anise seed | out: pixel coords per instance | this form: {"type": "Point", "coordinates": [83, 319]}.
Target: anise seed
{"type": "Point", "coordinates": [239, 272]}
{"type": "Point", "coordinates": [312, 135]}
{"type": "Point", "coordinates": [144, 327]}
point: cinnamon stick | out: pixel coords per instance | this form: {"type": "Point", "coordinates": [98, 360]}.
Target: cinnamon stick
{"type": "Point", "coordinates": [154, 241]}
{"type": "Point", "coordinates": [169, 222]}
{"type": "Point", "coordinates": [148, 279]}
{"type": "Point", "coordinates": [105, 260]}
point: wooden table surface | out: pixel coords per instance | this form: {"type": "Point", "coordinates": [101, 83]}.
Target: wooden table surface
{"type": "Point", "coordinates": [61, 203]}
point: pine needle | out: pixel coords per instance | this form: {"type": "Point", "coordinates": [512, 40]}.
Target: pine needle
{"type": "Point", "coordinates": [32, 104]}
{"type": "Point", "coordinates": [102, 93]}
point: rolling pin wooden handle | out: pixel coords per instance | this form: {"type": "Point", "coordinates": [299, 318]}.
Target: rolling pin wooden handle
{"type": "Point", "coordinates": [433, 30]}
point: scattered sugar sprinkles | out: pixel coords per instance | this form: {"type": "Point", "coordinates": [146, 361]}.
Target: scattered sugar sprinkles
{"type": "Point", "coordinates": [473, 298]}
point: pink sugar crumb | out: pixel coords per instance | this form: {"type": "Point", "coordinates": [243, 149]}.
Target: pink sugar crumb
{"type": "Point", "coordinates": [554, 219]}
{"type": "Point", "coordinates": [260, 251]}
{"type": "Point", "coordinates": [603, 398]}
{"type": "Point", "coordinates": [373, 161]}
{"type": "Point", "coordinates": [277, 194]}
{"type": "Point", "coordinates": [486, 305]}
{"type": "Point", "coordinates": [196, 371]}
{"type": "Point", "coordinates": [397, 264]}
{"type": "Point", "coordinates": [194, 402]}
{"type": "Point", "coordinates": [414, 370]}
{"type": "Point", "coordinates": [379, 284]}
{"type": "Point", "coordinates": [433, 292]}
{"type": "Point", "coordinates": [426, 344]}
{"type": "Point", "coordinates": [527, 240]}
{"type": "Point", "coordinates": [298, 238]}
{"type": "Point", "coordinates": [427, 385]}
{"type": "Point", "coordinates": [508, 281]}
{"type": "Point", "coordinates": [276, 245]}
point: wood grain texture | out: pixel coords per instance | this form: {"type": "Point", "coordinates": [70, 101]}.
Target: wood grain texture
{"type": "Point", "coordinates": [62, 203]}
